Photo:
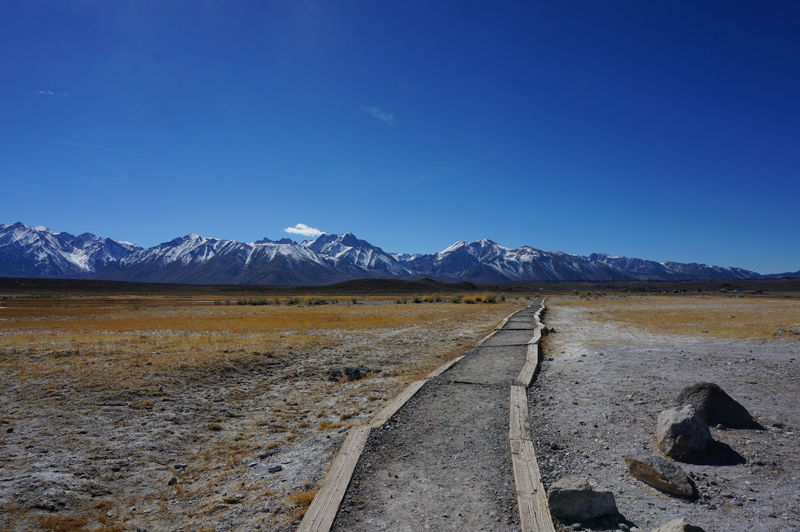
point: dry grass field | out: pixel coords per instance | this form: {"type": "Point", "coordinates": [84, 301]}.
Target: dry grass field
{"type": "Point", "coordinates": [165, 413]}
{"type": "Point", "coordinates": [755, 318]}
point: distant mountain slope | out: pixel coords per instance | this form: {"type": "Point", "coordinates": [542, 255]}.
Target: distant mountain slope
{"type": "Point", "coordinates": [39, 252]}
{"type": "Point", "coordinates": [488, 262]}
{"type": "Point", "coordinates": [782, 275]}
{"type": "Point", "coordinates": [194, 259]}
{"type": "Point", "coordinates": [672, 271]}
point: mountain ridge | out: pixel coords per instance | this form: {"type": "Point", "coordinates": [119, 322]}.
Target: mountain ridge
{"type": "Point", "coordinates": [194, 259]}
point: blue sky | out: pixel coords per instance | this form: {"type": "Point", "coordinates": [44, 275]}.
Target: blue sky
{"type": "Point", "coordinates": [659, 130]}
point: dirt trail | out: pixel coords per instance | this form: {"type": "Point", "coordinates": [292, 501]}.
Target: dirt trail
{"type": "Point", "coordinates": [443, 462]}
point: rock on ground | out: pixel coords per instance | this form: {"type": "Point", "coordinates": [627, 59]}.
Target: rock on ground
{"type": "Point", "coordinates": [678, 525]}
{"type": "Point", "coordinates": [659, 473]}
{"type": "Point", "coordinates": [682, 434]}
{"type": "Point", "coordinates": [580, 499]}
{"type": "Point", "coordinates": [715, 406]}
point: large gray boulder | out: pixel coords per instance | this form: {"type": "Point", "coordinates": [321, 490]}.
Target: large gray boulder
{"type": "Point", "coordinates": [580, 499]}
{"type": "Point", "coordinates": [715, 406]}
{"type": "Point", "coordinates": [660, 473]}
{"type": "Point", "coordinates": [678, 525]}
{"type": "Point", "coordinates": [682, 434]}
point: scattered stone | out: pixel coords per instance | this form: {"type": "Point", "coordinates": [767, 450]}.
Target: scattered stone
{"type": "Point", "coordinates": [274, 469]}
{"type": "Point", "coordinates": [715, 406]}
{"type": "Point", "coordinates": [179, 466]}
{"type": "Point", "coordinates": [659, 473]}
{"type": "Point", "coordinates": [387, 373]}
{"type": "Point", "coordinates": [353, 374]}
{"type": "Point", "coordinates": [580, 499]}
{"type": "Point", "coordinates": [336, 372]}
{"type": "Point", "coordinates": [779, 332]}
{"type": "Point", "coordinates": [172, 481]}
{"type": "Point", "coordinates": [682, 434]}
{"type": "Point", "coordinates": [678, 525]}
{"type": "Point", "coordinates": [552, 330]}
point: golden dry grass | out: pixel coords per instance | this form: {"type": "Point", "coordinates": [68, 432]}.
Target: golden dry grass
{"type": "Point", "coordinates": [720, 317]}
{"type": "Point", "coordinates": [240, 383]}
{"type": "Point", "coordinates": [121, 342]}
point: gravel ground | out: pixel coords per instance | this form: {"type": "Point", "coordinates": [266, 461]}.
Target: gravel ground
{"type": "Point", "coordinates": [597, 398]}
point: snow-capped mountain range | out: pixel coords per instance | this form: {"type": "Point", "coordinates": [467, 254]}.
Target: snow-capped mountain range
{"type": "Point", "coordinates": [193, 259]}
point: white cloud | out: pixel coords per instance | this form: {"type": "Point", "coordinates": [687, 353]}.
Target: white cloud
{"type": "Point", "coordinates": [303, 229]}
{"type": "Point", "coordinates": [386, 118]}
{"type": "Point", "coordinates": [49, 93]}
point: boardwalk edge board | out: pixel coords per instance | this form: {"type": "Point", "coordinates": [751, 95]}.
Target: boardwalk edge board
{"type": "Point", "coordinates": [320, 515]}
{"type": "Point", "coordinates": [534, 512]}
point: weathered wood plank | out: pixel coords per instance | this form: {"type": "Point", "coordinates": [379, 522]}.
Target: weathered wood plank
{"type": "Point", "coordinates": [531, 497]}
{"type": "Point", "coordinates": [395, 404]}
{"type": "Point", "coordinates": [320, 515]}
{"type": "Point", "coordinates": [525, 377]}
{"type": "Point", "coordinates": [519, 426]}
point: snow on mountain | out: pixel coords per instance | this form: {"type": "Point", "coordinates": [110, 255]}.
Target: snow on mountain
{"type": "Point", "coordinates": [39, 252]}
{"type": "Point", "coordinates": [488, 262]}
{"type": "Point", "coordinates": [351, 255]}
{"type": "Point", "coordinates": [194, 259]}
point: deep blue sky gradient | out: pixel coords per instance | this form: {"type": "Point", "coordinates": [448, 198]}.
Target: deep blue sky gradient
{"type": "Point", "coordinates": [660, 130]}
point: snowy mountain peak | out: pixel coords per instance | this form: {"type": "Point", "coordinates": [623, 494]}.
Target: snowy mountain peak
{"type": "Point", "coordinates": [40, 252]}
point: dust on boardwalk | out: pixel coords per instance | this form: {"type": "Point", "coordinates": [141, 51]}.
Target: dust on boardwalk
{"type": "Point", "coordinates": [166, 414]}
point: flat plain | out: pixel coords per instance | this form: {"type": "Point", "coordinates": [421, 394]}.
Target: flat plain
{"type": "Point", "coordinates": [616, 361]}
{"type": "Point", "coordinates": [185, 413]}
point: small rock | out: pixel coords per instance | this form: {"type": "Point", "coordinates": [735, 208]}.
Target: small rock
{"type": "Point", "coordinates": [552, 330]}
{"type": "Point", "coordinates": [179, 466]}
{"type": "Point", "coordinates": [682, 434]}
{"type": "Point", "coordinates": [580, 499]}
{"type": "Point", "coordinates": [336, 372]}
{"type": "Point", "coordinates": [779, 332]}
{"type": "Point", "coordinates": [10, 431]}
{"type": "Point", "coordinates": [678, 525]}
{"type": "Point", "coordinates": [172, 481]}
{"type": "Point", "coordinates": [715, 406]}
{"type": "Point", "coordinates": [274, 469]}
{"type": "Point", "coordinates": [353, 374]}
{"type": "Point", "coordinates": [659, 473]}
{"type": "Point", "coordinates": [387, 373]}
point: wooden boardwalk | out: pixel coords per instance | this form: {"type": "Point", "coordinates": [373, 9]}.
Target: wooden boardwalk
{"type": "Point", "coordinates": [522, 328]}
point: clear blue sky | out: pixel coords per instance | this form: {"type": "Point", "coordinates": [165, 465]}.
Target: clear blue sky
{"type": "Point", "coordinates": [659, 130]}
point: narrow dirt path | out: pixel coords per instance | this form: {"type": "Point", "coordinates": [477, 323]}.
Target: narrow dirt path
{"type": "Point", "coordinates": [443, 462]}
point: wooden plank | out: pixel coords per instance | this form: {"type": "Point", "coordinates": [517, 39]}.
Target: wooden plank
{"type": "Point", "coordinates": [519, 426]}
{"type": "Point", "coordinates": [531, 497]}
{"type": "Point", "coordinates": [320, 515]}
{"type": "Point", "coordinates": [444, 367]}
{"type": "Point", "coordinates": [395, 404]}
{"type": "Point", "coordinates": [525, 377]}
{"type": "Point", "coordinates": [537, 336]}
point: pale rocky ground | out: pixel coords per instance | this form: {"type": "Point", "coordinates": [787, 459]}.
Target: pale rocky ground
{"type": "Point", "coordinates": [599, 397]}
{"type": "Point", "coordinates": [195, 451]}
